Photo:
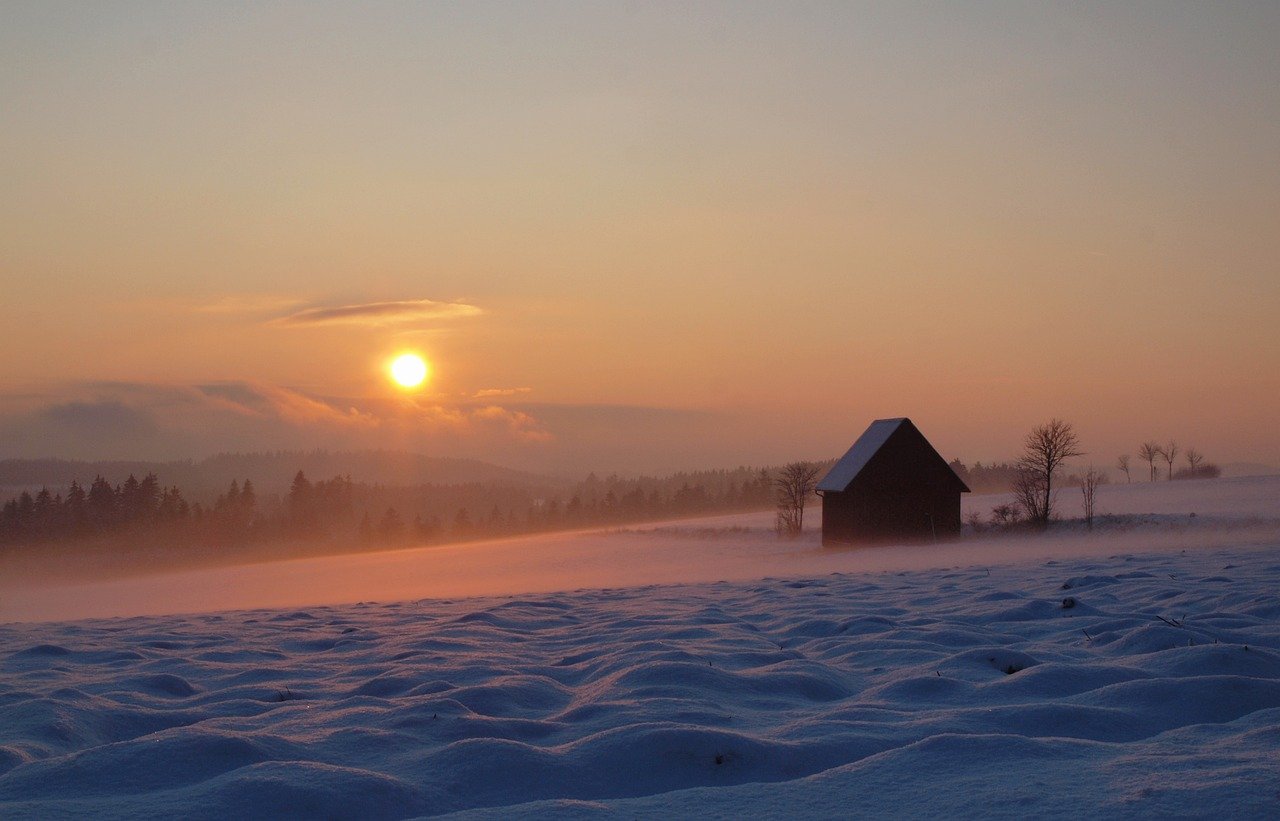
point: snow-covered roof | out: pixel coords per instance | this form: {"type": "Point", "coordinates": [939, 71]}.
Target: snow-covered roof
{"type": "Point", "coordinates": [851, 464]}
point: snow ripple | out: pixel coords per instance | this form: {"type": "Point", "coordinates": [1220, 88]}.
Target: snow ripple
{"type": "Point", "coordinates": [640, 699]}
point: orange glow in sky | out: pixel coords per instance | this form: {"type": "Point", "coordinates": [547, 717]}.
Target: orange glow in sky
{"type": "Point", "coordinates": [642, 237]}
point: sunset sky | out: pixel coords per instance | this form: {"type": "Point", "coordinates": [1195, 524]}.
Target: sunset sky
{"type": "Point", "coordinates": [638, 236]}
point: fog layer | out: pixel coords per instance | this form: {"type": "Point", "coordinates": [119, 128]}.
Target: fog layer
{"type": "Point", "coordinates": [1140, 518]}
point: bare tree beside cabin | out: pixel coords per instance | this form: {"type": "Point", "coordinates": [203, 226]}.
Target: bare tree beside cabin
{"type": "Point", "coordinates": [795, 483]}
{"type": "Point", "coordinates": [1168, 453]}
{"type": "Point", "coordinates": [1043, 452]}
{"type": "Point", "coordinates": [1194, 459]}
{"type": "Point", "coordinates": [1149, 452]}
{"type": "Point", "coordinates": [1123, 464]}
{"type": "Point", "coordinates": [1028, 496]}
{"type": "Point", "coordinates": [1089, 490]}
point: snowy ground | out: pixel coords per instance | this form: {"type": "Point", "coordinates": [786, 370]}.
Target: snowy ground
{"type": "Point", "coordinates": [1131, 672]}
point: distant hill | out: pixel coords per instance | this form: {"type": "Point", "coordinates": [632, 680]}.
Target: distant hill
{"type": "Point", "coordinates": [271, 472]}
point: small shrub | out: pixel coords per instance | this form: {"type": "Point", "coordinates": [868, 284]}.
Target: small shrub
{"type": "Point", "coordinates": [1006, 515]}
{"type": "Point", "coordinates": [1205, 471]}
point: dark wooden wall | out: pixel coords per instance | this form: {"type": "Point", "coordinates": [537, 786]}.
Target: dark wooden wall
{"type": "Point", "coordinates": [871, 516]}
{"type": "Point", "coordinates": [905, 493]}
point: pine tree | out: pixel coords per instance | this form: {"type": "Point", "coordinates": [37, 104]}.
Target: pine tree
{"type": "Point", "coordinates": [148, 497]}
{"type": "Point", "coordinates": [392, 526]}
{"type": "Point", "coordinates": [128, 494]}
{"type": "Point", "coordinates": [248, 497]}
{"type": "Point", "coordinates": [102, 504]}
{"type": "Point", "coordinates": [462, 522]}
{"type": "Point", "coordinates": [26, 514]}
{"type": "Point", "coordinates": [301, 504]}
{"type": "Point", "coordinates": [43, 514]}
{"type": "Point", "coordinates": [75, 510]}
{"type": "Point", "coordinates": [9, 526]}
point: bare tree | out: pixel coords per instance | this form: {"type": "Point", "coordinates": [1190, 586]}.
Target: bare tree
{"type": "Point", "coordinates": [1123, 464]}
{"type": "Point", "coordinates": [1028, 493]}
{"type": "Point", "coordinates": [1149, 452]}
{"type": "Point", "coordinates": [1043, 452]}
{"type": "Point", "coordinates": [1168, 453]}
{"type": "Point", "coordinates": [795, 483]}
{"type": "Point", "coordinates": [1005, 515]}
{"type": "Point", "coordinates": [1194, 458]}
{"type": "Point", "coordinates": [1089, 488]}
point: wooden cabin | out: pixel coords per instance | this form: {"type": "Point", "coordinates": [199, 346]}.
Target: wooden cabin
{"type": "Point", "coordinates": [891, 486]}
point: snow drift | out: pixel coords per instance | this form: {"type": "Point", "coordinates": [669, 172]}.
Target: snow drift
{"type": "Point", "coordinates": [1111, 681]}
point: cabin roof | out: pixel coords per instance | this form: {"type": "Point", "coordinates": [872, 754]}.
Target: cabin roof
{"type": "Point", "coordinates": [868, 445]}
{"type": "Point", "coordinates": [851, 464]}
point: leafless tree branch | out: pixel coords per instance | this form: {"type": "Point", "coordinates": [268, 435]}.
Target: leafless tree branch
{"type": "Point", "coordinates": [1043, 452]}
{"type": "Point", "coordinates": [795, 483]}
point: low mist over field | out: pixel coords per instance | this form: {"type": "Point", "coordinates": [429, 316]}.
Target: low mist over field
{"type": "Point", "coordinates": [1133, 518]}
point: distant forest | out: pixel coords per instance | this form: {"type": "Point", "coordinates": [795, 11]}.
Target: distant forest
{"type": "Point", "coordinates": [340, 512]}
{"type": "Point", "coordinates": [394, 504]}
{"type": "Point", "coordinates": [992, 478]}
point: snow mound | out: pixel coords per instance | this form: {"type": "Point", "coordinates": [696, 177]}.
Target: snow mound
{"type": "Point", "coordinates": [921, 693]}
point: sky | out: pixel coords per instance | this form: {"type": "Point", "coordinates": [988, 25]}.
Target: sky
{"type": "Point", "coordinates": [638, 236]}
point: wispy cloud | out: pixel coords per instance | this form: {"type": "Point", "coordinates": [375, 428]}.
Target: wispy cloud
{"type": "Point", "coordinates": [295, 408]}
{"type": "Point", "coordinates": [489, 393]}
{"type": "Point", "coordinates": [122, 420]}
{"type": "Point", "coordinates": [515, 423]}
{"type": "Point", "coordinates": [379, 313]}
{"type": "Point", "coordinates": [140, 420]}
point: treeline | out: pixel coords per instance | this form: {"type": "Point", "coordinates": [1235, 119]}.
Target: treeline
{"type": "Point", "coordinates": [1154, 453]}
{"type": "Point", "coordinates": [1001, 477]}
{"type": "Point", "coordinates": [102, 508]}
{"type": "Point", "coordinates": [342, 510]}
{"type": "Point", "coordinates": [992, 478]}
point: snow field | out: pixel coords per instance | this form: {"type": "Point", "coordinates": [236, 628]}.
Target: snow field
{"type": "Point", "coordinates": [1127, 685]}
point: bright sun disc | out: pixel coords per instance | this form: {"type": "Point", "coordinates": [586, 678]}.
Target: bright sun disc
{"type": "Point", "coordinates": [409, 370]}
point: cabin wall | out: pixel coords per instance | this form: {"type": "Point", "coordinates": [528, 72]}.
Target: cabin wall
{"type": "Point", "coordinates": [875, 516]}
{"type": "Point", "coordinates": [844, 518]}
{"type": "Point", "coordinates": [904, 493]}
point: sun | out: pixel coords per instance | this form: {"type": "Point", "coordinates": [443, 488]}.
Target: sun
{"type": "Point", "coordinates": [408, 370]}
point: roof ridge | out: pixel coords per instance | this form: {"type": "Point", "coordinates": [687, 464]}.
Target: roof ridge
{"type": "Point", "coordinates": [848, 467]}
